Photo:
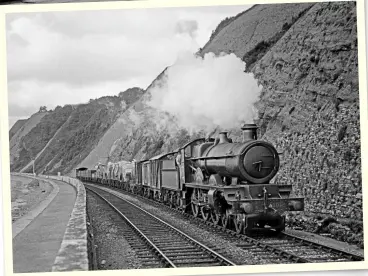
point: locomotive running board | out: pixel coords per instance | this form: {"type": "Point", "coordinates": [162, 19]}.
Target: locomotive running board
{"type": "Point", "coordinates": [207, 186]}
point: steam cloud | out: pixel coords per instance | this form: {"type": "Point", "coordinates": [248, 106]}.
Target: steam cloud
{"type": "Point", "coordinates": [209, 92]}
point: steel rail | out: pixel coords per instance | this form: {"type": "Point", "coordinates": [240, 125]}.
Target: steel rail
{"type": "Point", "coordinates": [266, 246]}
{"type": "Point", "coordinates": [348, 255]}
{"type": "Point", "coordinates": [221, 258]}
{"type": "Point", "coordinates": [135, 229]}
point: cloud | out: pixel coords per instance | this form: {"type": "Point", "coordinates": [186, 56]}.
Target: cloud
{"type": "Point", "coordinates": [32, 94]}
{"type": "Point", "coordinates": [69, 57]}
{"type": "Point", "coordinates": [187, 26]}
{"type": "Point", "coordinates": [92, 58]}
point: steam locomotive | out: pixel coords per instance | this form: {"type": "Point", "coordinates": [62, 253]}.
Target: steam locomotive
{"type": "Point", "coordinates": [220, 181]}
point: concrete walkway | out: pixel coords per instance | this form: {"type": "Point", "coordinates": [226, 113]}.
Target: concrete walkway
{"type": "Point", "coordinates": [20, 224]}
{"type": "Point", "coordinates": [36, 247]}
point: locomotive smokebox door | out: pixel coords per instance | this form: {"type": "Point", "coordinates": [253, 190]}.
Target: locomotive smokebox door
{"type": "Point", "coordinates": [259, 161]}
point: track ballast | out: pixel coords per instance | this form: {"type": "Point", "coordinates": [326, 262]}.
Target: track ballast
{"type": "Point", "coordinates": [168, 245]}
{"type": "Point", "coordinates": [282, 248]}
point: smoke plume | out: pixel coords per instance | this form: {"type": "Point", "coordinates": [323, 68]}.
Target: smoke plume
{"type": "Point", "coordinates": [204, 93]}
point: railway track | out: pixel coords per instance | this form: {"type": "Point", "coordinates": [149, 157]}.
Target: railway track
{"type": "Point", "coordinates": [280, 248]}
{"type": "Point", "coordinates": [293, 247]}
{"type": "Point", "coordinates": [155, 241]}
{"type": "Point", "coordinates": [311, 251]}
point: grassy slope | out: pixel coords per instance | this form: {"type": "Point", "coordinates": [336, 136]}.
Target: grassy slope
{"type": "Point", "coordinates": [16, 127]}
{"type": "Point", "coordinates": [37, 138]}
{"type": "Point", "coordinates": [15, 139]}
{"type": "Point", "coordinates": [65, 136]}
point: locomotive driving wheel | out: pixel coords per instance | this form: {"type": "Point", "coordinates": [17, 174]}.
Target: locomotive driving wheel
{"type": "Point", "coordinates": [215, 218]}
{"type": "Point", "coordinates": [224, 220]}
{"type": "Point", "coordinates": [195, 202]}
{"type": "Point", "coordinates": [206, 213]}
{"type": "Point", "coordinates": [239, 222]}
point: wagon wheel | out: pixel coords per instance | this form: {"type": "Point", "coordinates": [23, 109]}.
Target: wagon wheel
{"type": "Point", "coordinates": [184, 209]}
{"type": "Point", "coordinates": [239, 221]}
{"type": "Point", "coordinates": [215, 218]}
{"type": "Point", "coordinates": [172, 200]}
{"type": "Point", "coordinates": [165, 197]}
{"type": "Point", "coordinates": [194, 202]}
{"type": "Point", "coordinates": [206, 213]}
{"type": "Point", "coordinates": [177, 198]}
{"type": "Point", "coordinates": [156, 197]}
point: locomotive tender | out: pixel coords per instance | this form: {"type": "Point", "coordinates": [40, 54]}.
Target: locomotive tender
{"type": "Point", "coordinates": [215, 179]}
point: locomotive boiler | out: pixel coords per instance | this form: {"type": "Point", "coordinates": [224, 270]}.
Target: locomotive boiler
{"type": "Point", "coordinates": [252, 161]}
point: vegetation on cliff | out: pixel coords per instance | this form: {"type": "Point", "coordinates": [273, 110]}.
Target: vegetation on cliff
{"type": "Point", "coordinates": [66, 135]}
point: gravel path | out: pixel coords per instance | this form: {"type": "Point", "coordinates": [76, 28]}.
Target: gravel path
{"type": "Point", "coordinates": [26, 194]}
{"type": "Point", "coordinates": [113, 251]}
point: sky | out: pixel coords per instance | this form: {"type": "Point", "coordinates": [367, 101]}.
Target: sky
{"type": "Point", "coordinates": [58, 58]}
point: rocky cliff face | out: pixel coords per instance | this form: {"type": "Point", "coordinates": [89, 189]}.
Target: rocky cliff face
{"type": "Point", "coordinates": [241, 34]}
{"type": "Point", "coordinates": [309, 105]}
{"type": "Point", "coordinates": [310, 108]}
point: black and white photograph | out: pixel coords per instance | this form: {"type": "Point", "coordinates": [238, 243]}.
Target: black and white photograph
{"type": "Point", "coordinates": [168, 138]}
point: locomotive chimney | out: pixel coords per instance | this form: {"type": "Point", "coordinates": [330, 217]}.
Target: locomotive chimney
{"type": "Point", "coordinates": [223, 137]}
{"type": "Point", "coordinates": [249, 132]}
